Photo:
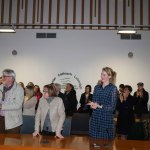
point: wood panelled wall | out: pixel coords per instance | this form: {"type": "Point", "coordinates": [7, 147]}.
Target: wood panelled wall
{"type": "Point", "coordinates": [75, 14]}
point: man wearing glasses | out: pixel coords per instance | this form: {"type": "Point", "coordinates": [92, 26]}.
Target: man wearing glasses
{"type": "Point", "coordinates": [11, 100]}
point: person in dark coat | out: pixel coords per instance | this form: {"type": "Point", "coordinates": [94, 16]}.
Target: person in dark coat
{"type": "Point", "coordinates": [120, 92]}
{"type": "Point", "coordinates": [70, 100]}
{"type": "Point", "coordinates": [125, 112]}
{"type": "Point", "coordinates": [85, 98]}
{"type": "Point", "coordinates": [103, 105]}
{"type": "Point", "coordinates": [141, 100]}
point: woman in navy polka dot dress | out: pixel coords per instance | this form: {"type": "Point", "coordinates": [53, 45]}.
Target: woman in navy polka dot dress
{"type": "Point", "coordinates": [103, 105]}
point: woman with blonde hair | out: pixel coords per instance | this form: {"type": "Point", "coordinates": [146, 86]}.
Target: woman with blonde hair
{"type": "Point", "coordinates": [103, 105]}
{"type": "Point", "coordinates": [50, 115]}
{"type": "Point", "coordinates": [29, 101]}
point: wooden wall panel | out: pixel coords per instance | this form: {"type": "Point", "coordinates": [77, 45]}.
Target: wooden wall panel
{"type": "Point", "coordinates": [93, 13]}
{"type": "Point", "coordinates": [74, 13]}
{"type": "Point", "coordinates": [149, 14]}
{"type": "Point", "coordinates": [66, 13]}
{"type": "Point", "coordinates": [10, 11]}
{"type": "Point", "coordinates": [116, 13]}
{"type": "Point", "coordinates": [99, 13]}
{"type": "Point", "coordinates": [50, 13]}
{"type": "Point", "coordinates": [132, 10]}
{"type": "Point", "coordinates": [82, 14]}
{"type": "Point", "coordinates": [107, 13]}
{"type": "Point", "coordinates": [38, 9]}
{"type": "Point", "coordinates": [124, 12]}
{"type": "Point", "coordinates": [141, 12]}
{"type": "Point", "coordinates": [95, 6]}
{"type": "Point", "coordinates": [33, 13]}
{"type": "Point", "coordinates": [41, 16]}
{"type": "Point", "coordinates": [2, 11]}
{"type": "Point", "coordinates": [25, 13]}
{"type": "Point", "coordinates": [18, 13]}
{"type": "Point", "coordinates": [58, 9]}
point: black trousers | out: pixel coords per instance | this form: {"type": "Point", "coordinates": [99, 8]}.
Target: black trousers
{"type": "Point", "coordinates": [2, 127]}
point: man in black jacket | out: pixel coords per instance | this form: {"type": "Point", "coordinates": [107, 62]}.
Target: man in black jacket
{"type": "Point", "coordinates": [141, 100]}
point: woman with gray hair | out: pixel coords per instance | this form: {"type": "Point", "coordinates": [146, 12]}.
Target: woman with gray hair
{"type": "Point", "coordinates": [11, 99]}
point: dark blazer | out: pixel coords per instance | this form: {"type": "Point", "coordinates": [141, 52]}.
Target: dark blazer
{"type": "Point", "coordinates": [62, 96]}
{"type": "Point", "coordinates": [83, 107]}
{"type": "Point", "coordinates": [141, 103]}
{"type": "Point", "coordinates": [83, 99]}
{"type": "Point", "coordinates": [70, 102]}
{"type": "Point", "coordinates": [125, 115]}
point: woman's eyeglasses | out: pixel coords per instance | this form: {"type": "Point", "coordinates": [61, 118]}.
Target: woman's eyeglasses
{"type": "Point", "coordinates": [45, 91]}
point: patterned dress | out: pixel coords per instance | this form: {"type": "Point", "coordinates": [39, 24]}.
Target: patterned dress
{"type": "Point", "coordinates": [102, 119]}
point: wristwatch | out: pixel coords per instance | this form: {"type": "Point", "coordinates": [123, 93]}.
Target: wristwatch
{"type": "Point", "coordinates": [100, 106]}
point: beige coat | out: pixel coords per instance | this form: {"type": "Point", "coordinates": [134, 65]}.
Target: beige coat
{"type": "Point", "coordinates": [13, 108]}
{"type": "Point", "coordinates": [57, 114]}
{"type": "Point", "coordinates": [29, 106]}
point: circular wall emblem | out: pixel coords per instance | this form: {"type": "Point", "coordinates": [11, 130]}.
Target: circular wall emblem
{"type": "Point", "coordinates": [65, 77]}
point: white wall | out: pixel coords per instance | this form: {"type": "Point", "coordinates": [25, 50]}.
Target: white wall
{"type": "Point", "coordinates": [82, 53]}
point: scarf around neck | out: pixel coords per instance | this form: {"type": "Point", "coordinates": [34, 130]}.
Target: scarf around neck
{"type": "Point", "coordinates": [6, 89]}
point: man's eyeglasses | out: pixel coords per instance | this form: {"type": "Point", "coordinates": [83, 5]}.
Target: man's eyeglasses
{"type": "Point", "coordinates": [6, 76]}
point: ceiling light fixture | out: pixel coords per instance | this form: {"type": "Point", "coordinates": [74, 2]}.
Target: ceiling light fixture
{"type": "Point", "coordinates": [7, 29]}
{"type": "Point", "coordinates": [126, 31]}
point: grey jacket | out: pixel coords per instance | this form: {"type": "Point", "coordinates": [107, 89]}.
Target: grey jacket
{"type": "Point", "coordinates": [29, 106]}
{"type": "Point", "coordinates": [13, 108]}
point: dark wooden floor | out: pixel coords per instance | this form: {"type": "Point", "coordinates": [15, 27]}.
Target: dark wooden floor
{"type": "Point", "coordinates": [27, 142]}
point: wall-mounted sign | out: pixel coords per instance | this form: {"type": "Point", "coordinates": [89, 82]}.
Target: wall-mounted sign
{"type": "Point", "coordinates": [65, 77]}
